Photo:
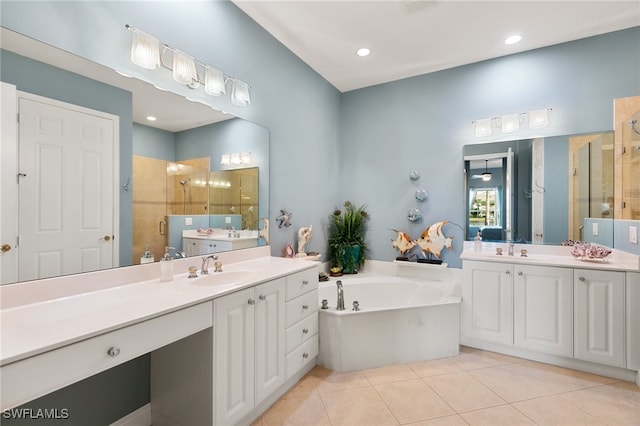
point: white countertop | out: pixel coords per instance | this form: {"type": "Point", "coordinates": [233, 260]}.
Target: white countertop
{"type": "Point", "coordinates": [32, 328]}
{"type": "Point", "coordinates": [550, 256]}
{"type": "Point", "coordinates": [221, 235]}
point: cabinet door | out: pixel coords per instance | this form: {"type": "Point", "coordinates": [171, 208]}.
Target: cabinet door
{"type": "Point", "coordinates": [269, 338]}
{"type": "Point", "coordinates": [190, 246]}
{"type": "Point", "coordinates": [487, 301]}
{"type": "Point", "coordinates": [543, 309]}
{"type": "Point", "coordinates": [599, 316]}
{"type": "Point", "coordinates": [233, 349]}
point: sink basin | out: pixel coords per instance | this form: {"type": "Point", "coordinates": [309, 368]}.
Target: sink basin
{"type": "Point", "coordinates": [225, 277]}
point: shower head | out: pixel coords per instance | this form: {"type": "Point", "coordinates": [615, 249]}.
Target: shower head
{"type": "Point", "coordinates": [183, 182]}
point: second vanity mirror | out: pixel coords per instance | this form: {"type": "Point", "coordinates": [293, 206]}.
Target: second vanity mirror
{"type": "Point", "coordinates": [541, 191]}
{"type": "Point", "coordinates": [195, 131]}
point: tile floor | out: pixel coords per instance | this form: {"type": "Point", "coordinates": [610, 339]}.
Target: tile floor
{"type": "Point", "coordinates": [474, 388]}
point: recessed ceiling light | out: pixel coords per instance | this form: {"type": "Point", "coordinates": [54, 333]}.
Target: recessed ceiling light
{"type": "Point", "coordinates": [151, 118]}
{"type": "Point", "coordinates": [363, 51]}
{"type": "Point", "coordinates": [513, 39]}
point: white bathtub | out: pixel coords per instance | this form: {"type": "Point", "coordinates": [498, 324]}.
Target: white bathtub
{"type": "Point", "coordinates": [400, 320]}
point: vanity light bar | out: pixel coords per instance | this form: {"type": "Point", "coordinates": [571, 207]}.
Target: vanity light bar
{"type": "Point", "coordinates": [509, 123]}
{"type": "Point", "coordinates": [149, 53]}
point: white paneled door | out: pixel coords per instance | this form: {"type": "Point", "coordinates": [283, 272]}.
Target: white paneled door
{"type": "Point", "coordinates": [66, 216]}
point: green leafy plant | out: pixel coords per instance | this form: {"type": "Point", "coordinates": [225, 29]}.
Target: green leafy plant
{"type": "Point", "coordinates": [347, 230]}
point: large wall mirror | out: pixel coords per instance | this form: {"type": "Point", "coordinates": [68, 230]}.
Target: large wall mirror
{"type": "Point", "coordinates": [541, 191]}
{"type": "Point", "coordinates": [149, 199]}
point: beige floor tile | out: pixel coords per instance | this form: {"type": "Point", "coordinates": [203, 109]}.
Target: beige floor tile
{"type": "Point", "coordinates": [304, 388]}
{"type": "Point", "coordinates": [503, 415]}
{"type": "Point", "coordinates": [393, 373]}
{"type": "Point", "coordinates": [257, 422]}
{"type": "Point", "coordinates": [296, 411]}
{"type": "Point", "coordinates": [512, 382]}
{"type": "Point", "coordinates": [412, 400]}
{"type": "Point", "coordinates": [462, 392]}
{"type": "Point", "coordinates": [629, 392]}
{"type": "Point", "coordinates": [359, 406]}
{"type": "Point", "coordinates": [474, 359]}
{"type": "Point", "coordinates": [559, 379]}
{"type": "Point", "coordinates": [605, 405]}
{"type": "Point", "coordinates": [505, 359]}
{"type": "Point", "coordinates": [331, 381]}
{"type": "Point", "coordinates": [555, 411]}
{"type": "Point", "coordinates": [434, 367]}
{"type": "Point", "coordinates": [454, 420]}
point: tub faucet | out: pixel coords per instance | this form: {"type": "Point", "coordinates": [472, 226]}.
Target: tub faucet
{"type": "Point", "coordinates": [340, 306]}
{"type": "Point", "coordinates": [205, 264]}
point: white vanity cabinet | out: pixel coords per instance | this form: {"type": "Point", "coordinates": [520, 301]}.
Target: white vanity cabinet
{"type": "Point", "coordinates": [600, 316]}
{"type": "Point", "coordinates": [487, 301]}
{"type": "Point", "coordinates": [543, 309]}
{"type": "Point", "coordinates": [248, 349]}
{"type": "Point", "coordinates": [198, 247]}
{"type": "Point", "coordinates": [301, 320]}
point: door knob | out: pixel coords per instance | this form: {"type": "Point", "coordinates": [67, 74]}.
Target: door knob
{"type": "Point", "coordinates": [106, 238]}
{"type": "Point", "coordinates": [5, 248]}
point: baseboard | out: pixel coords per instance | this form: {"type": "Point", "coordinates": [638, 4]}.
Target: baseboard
{"type": "Point", "coordinates": [140, 417]}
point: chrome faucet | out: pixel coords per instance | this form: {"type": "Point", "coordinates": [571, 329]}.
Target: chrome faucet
{"type": "Point", "coordinates": [205, 264]}
{"type": "Point", "coordinates": [340, 306]}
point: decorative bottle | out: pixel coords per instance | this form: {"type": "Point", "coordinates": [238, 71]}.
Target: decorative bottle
{"type": "Point", "coordinates": [477, 243]}
{"type": "Point", "coordinates": [147, 257]}
{"type": "Point", "coordinates": [166, 266]}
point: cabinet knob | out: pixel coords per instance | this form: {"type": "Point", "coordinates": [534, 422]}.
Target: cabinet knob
{"type": "Point", "coordinates": [305, 282]}
{"type": "Point", "coordinates": [305, 331]}
{"type": "Point", "coordinates": [113, 351]}
{"type": "Point", "coordinates": [251, 301]}
{"type": "Point", "coordinates": [582, 279]}
{"type": "Point", "coordinates": [520, 273]}
{"type": "Point", "coordinates": [262, 297]}
{"type": "Point", "coordinates": [305, 306]}
{"type": "Point", "coordinates": [305, 355]}
{"type": "Point", "coordinates": [507, 272]}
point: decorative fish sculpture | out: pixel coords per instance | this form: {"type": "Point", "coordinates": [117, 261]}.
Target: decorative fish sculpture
{"type": "Point", "coordinates": [284, 218]}
{"type": "Point", "coordinates": [264, 232]}
{"type": "Point", "coordinates": [403, 242]}
{"type": "Point", "coordinates": [433, 240]}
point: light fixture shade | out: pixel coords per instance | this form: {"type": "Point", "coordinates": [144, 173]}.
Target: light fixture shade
{"type": "Point", "coordinates": [214, 82]}
{"type": "Point", "coordinates": [235, 158]}
{"type": "Point", "coordinates": [240, 93]}
{"type": "Point", "coordinates": [245, 157]}
{"type": "Point", "coordinates": [184, 68]}
{"type": "Point", "coordinates": [225, 160]}
{"type": "Point", "coordinates": [145, 50]}
{"type": "Point", "coordinates": [539, 119]}
{"type": "Point", "coordinates": [483, 127]}
{"type": "Point", "coordinates": [510, 123]}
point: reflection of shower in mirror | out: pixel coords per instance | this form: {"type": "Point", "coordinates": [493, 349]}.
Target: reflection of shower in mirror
{"type": "Point", "coordinates": [186, 199]}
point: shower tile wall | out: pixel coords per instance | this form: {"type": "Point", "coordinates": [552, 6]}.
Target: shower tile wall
{"type": "Point", "coordinates": [627, 164]}
{"type": "Point", "coordinates": [149, 205]}
{"type": "Point", "coordinates": [193, 196]}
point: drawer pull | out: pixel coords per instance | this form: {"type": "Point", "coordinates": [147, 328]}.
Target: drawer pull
{"type": "Point", "coordinates": [305, 282]}
{"type": "Point", "coordinates": [305, 331]}
{"type": "Point", "coordinates": [305, 355]}
{"type": "Point", "coordinates": [305, 306]}
{"type": "Point", "coordinates": [251, 301]}
{"type": "Point", "coordinates": [520, 273]}
{"type": "Point", "coordinates": [262, 297]}
{"type": "Point", "coordinates": [113, 351]}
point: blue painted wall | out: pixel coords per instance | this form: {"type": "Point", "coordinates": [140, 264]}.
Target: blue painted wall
{"type": "Point", "coordinates": [154, 143]}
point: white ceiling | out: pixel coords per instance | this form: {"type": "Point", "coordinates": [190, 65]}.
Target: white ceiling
{"type": "Point", "coordinates": [413, 37]}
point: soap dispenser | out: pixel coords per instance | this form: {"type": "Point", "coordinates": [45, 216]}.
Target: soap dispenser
{"type": "Point", "coordinates": [147, 257]}
{"type": "Point", "coordinates": [477, 243]}
{"type": "Point", "coordinates": [166, 266]}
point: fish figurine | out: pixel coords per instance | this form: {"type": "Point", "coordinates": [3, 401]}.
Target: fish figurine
{"type": "Point", "coordinates": [284, 218]}
{"type": "Point", "coordinates": [403, 242]}
{"type": "Point", "coordinates": [264, 232]}
{"type": "Point", "coordinates": [433, 240]}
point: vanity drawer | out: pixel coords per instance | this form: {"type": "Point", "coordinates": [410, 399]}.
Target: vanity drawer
{"type": "Point", "coordinates": [301, 331]}
{"type": "Point", "coordinates": [301, 307]}
{"type": "Point", "coordinates": [301, 356]}
{"type": "Point", "coordinates": [27, 379]}
{"type": "Point", "coordinates": [301, 283]}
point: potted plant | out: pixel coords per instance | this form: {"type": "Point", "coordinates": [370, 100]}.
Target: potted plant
{"type": "Point", "coordinates": [347, 247]}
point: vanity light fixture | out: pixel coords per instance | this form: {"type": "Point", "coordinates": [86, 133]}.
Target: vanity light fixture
{"type": "Point", "coordinates": [149, 53]}
{"type": "Point", "coordinates": [235, 159]}
{"type": "Point", "coordinates": [483, 127]}
{"type": "Point", "coordinates": [510, 123]}
{"type": "Point", "coordinates": [539, 119]}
